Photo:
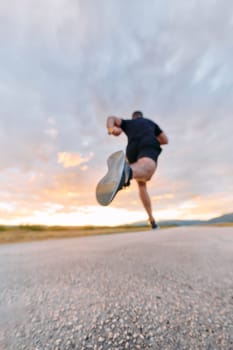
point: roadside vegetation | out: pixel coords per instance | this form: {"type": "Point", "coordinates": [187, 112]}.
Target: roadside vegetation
{"type": "Point", "coordinates": [27, 233]}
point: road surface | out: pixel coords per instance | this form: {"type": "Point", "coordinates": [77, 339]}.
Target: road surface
{"type": "Point", "coordinates": [166, 289]}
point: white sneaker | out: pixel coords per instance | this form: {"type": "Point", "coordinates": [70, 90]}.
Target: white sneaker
{"type": "Point", "coordinates": [113, 181]}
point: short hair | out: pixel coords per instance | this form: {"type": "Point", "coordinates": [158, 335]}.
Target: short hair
{"type": "Point", "coordinates": [137, 114]}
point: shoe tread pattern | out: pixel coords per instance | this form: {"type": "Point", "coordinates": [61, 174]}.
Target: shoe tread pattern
{"type": "Point", "coordinates": [108, 186]}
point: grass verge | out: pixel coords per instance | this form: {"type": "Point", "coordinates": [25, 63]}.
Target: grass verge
{"type": "Point", "coordinates": [29, 233]}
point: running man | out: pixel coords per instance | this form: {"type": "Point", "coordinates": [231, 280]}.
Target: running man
{"type": "Point", "coordinates": [143, 149]}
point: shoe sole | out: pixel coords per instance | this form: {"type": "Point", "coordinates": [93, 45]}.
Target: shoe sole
{"type": "Point", "coordinates": [108, 186]}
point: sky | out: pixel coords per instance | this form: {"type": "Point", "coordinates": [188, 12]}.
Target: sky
{"type": "Point", "coordinates": [66, 65]}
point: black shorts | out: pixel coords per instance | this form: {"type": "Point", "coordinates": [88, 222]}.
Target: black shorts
{"type": "Point", "coordinates": [136, 150]}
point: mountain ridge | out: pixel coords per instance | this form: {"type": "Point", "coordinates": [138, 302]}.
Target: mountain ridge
{"type": "Point", "coordinates": [222, 219]}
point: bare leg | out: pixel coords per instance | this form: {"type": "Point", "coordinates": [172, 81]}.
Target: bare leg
{"type": "Point", "coordinates": [143, 169]}
{"type": "Point", "coordinates": [145, 198]}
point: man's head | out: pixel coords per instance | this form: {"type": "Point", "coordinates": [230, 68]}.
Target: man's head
{"type": "Point", "coordinates": [137, 114]}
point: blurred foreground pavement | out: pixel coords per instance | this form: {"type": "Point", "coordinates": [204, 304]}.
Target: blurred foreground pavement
{"type": "Point", "coordinates": [166, 289]}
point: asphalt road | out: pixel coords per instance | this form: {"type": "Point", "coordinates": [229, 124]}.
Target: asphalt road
{"type": "Point", "coordinates": [167, 289]}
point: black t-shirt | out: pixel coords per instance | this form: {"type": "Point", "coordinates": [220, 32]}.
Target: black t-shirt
{"type": "Point", "coordinates": [140, 128]}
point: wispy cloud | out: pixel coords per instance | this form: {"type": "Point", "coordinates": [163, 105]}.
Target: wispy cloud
{"type": "Point", "coordinates": [69, 160]}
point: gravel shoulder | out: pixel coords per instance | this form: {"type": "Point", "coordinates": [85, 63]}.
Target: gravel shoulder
{"type": "Point", "coordinates": [167, 289]}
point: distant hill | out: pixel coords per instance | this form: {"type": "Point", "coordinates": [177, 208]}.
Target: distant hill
{"type": "Point", "coordinates": [171, 223]}
{"type": "Point", "coordinates": [221, 219]}
{"type": "Point", "coordinates": [227, 218]}
{"type": "Point", "coordinates": [181, 222]}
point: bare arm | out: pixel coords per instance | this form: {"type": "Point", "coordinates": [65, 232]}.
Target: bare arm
{"type": "Point", "coordinates": [113, 125]}
{"type": "Point", "coordinates": [162, 138]}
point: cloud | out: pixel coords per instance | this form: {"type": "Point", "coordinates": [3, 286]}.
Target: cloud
{"type": "Point", "coordinates": [69, 160]}
{"type": "Point", "coordinates": [66, 65]}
